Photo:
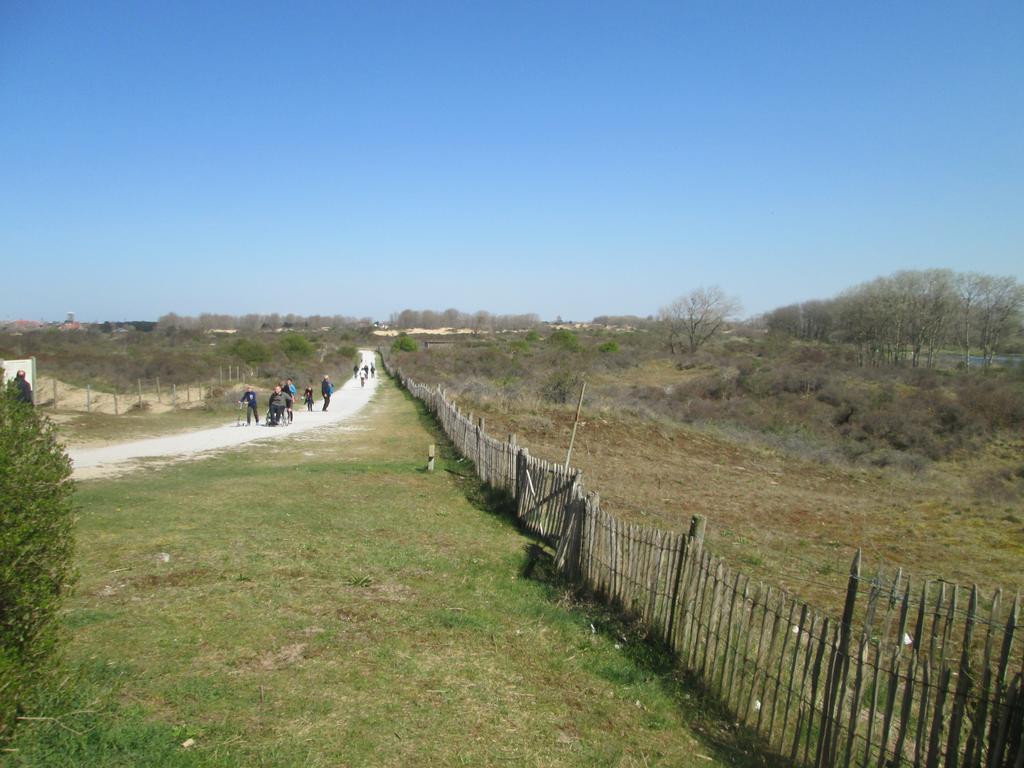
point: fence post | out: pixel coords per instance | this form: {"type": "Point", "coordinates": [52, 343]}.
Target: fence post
{"type": "Point", "coordinates": [139, 381]}
{"type": "Point", "coordinates": [838, 666]}
{"type": "Point", "coordinates": [430, 458]}
{"type": "Point", "coordinates": [158, 390]}
{"type": "Point", "coordinates": [55, 394]}
{"type": "Point", "coordinates": [698, 524]}
{"type": "Point", "coordinates": [88, 398]}
{"type": "Point", "coordinates": [695, 538]}
{"type": "Point", "coordinates": [174, 395]}
{"type": "Point", "coordinates": [481, 470]}
{"type": "Point", "coordinates": [115, 401]}
{"type": "Point", "coordinates": [512, 450]}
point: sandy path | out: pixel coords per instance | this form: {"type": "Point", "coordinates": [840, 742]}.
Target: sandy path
{"type": "Point", "coordinates": [347, 400]}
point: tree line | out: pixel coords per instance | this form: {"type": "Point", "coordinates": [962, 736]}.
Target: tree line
{"type": "Point", "coordinates": [909, 317]}
{"type": "Point", "coordinates": [480, 322]}
{"type": "Point", "coordinates": [209, 321]}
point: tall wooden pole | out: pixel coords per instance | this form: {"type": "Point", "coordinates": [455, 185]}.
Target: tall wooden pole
{"type": "Point", "coordinates": [572, 438]}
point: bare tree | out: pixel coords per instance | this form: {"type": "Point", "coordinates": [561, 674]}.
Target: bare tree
{"type": "Point", "coordinates": [997, 314]}
{"type": "Point", "coordinates": [695, 318]}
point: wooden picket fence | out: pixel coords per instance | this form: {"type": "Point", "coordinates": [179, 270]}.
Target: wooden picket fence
{"type": "Point", "coordinates": [905, 675]}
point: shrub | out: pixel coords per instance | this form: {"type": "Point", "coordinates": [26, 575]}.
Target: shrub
{"type": "Point", "coordinates": [404, 343]}
{"type": "Point", "coordinates": [560, 387]}
{"type": "Point", "coordinates": [251, 352]}
{"type": "Point", "coordinates": [296, 346]}
{"type": "Point", "coordinates": [1000, 404]}
{"type": "Point", "coordinates": [609, 347]}
{"type": "Point", "coordinates": [564, 339]}
{"type": "Point", "coordinates": [36, 542]}
{"type": "Point", "coordinates": [532, 336]}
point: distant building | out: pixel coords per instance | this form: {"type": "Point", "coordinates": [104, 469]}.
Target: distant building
{"type": "Point", "coordinates": [24, 325]}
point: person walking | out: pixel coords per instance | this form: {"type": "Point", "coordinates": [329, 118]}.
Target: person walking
{"type": "Point", "coordinates": [290, 386]}
{"type": "Point", "coordinates": [24, 388]}
{"type": "Point", "coordinates": [289, 401]}
{"type": "Point", "coordinates": [307, 396]}
{"type": "Point", "coordinates": [249, 401]}
{"type": "Point", "coordinates": [373, 371]}
{"type": "Point", "coordinates": [326, 389]}
{"type": "Point", "coordinates": [355, 371]}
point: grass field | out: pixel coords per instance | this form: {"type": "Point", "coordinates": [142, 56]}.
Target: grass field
{"type": "Point", "coordinates": [323, 601]}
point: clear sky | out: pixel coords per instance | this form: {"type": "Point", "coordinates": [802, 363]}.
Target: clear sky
{"type": "Point", "coordinates": [563, 158]}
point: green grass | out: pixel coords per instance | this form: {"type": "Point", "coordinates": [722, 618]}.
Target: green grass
{"type": "Point", "coordinates": [326, 602]}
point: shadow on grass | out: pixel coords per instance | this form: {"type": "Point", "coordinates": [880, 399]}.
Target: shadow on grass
{"type": "Point", "coordinates": [732, 743]}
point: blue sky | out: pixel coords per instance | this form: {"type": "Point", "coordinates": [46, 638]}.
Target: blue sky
{"type": "Point", "coordinates": [564, 158]}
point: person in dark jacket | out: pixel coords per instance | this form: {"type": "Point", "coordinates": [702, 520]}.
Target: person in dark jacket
{"type": "Point", "coordinates": [326, 389]}
{"type": "Point", "coordinates": [276, 407]}
{"type": "Point", "coordinates": [355, 371]}
{"type": "Point", "coordinates": [249, 401]}
{"type": "Point", "coordinates": [24, 388]}
{"type": "Point", "coordinates": [308, 397]}
{"type": "Point", "coordinates": [289, 397]}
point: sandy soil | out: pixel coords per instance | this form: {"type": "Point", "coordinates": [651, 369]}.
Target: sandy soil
{"type": "Point", "coordinates": [119, 458]}
{"type": "Point", "coordinates": [428, 331]}
{"type": "Point", "coordinates": [72, 398]}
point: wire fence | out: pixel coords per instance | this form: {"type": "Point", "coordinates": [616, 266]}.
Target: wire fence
{"type": "Point", "coordinates": [907, 675]}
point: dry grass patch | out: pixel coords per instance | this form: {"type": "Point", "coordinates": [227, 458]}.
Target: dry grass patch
{"type": "Point", "coordinates": [796, 523]}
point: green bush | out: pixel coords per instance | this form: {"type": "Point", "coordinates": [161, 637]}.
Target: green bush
{"type": "Point", "coordinates": [609, 347]}
{"type": "Point", "coordinates": [251, 352]}
{"type": "Point", "coordinates": [297, 346]}
{"type": "Point", "coordinates": [565, 339]}
{"type": "Point", "coordinates": [404, 344]}
{"type": "Point", "coordinates": [36, 545]}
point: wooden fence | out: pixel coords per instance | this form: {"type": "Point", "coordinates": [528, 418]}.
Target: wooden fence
{"type": "Point", "coordinates": [907, 675]}
{"type": "Point", "coordinates": [118, 400]}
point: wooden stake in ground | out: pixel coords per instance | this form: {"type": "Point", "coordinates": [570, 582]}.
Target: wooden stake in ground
{"type": "Point", "coordinates": [88, 398]}
{"type": "Point", "coordinates": [430, 458]}
{"type": "Point", "coordinates": [572, 437]}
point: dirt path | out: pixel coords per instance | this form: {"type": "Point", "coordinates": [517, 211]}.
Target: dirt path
{"type": "Point", "coordinates": [116, 459]}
